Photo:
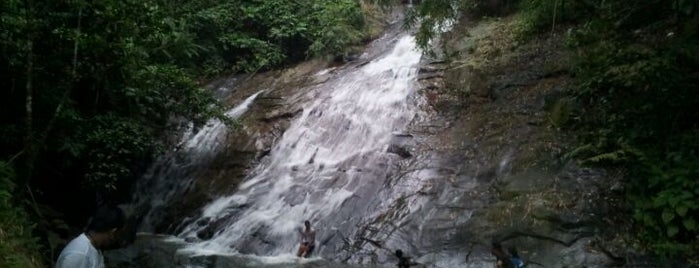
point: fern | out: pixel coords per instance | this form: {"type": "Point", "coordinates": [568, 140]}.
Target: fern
{"type": "Point", "coordinates": [611, 157]}
{"type": "Point", "coordinates": [586, 148]}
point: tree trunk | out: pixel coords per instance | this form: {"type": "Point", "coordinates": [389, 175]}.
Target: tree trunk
{"type": "Point", "coordinates": [33, 143]}
{"type": "Point", "coordinates": [29, 141]}
{"type": "Point", "coordinates": [74, 78]}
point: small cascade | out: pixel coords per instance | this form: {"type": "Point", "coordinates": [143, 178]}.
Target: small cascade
{"type": "Point", "coordinates": [171, 174]}
{"type": "Point", "coordinates": [210, 137]}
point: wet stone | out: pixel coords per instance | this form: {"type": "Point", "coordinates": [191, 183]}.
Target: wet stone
{"type": "Point", "coordinates": [399, 150]}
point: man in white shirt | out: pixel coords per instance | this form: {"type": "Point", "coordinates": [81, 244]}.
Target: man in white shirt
{"type": "Point", "coordinates": [85, 250]}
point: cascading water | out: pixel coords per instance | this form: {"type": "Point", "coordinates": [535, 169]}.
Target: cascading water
{"type": "Point", "coordinates": [209, 138]}
{"type": "Point", "coordinates": [335, 152]}
{"type": "Point", "coordinates": [193, 152]}
{"type": "Point", "coordinates": [344, 163]}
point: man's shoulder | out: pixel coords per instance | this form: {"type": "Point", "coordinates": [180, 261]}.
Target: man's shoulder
{"type": "Point", "coordinates": [72, 259]}
{"type": "Point", "coordinates": [79, 247]}
{"type": "Point", "coordinates": [79, 244]}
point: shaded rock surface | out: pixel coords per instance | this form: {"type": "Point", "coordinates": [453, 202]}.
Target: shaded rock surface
{"type": "Point", "coordinates": [511, 182]}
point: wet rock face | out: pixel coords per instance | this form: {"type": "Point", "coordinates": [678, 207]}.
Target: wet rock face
{"type": "Point", "coordinates": [400, 145]}
{"type": "Point", "coordinates": [510, 181]}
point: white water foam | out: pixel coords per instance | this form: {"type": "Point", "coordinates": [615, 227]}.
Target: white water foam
{"type": "Point", "coordinates": [210, 136]}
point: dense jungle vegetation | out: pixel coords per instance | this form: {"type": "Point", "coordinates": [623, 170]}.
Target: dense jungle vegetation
{"type": "Point", "coordinates": [636, 69]}
{"type": "Point", "coordinates": [91, 89]}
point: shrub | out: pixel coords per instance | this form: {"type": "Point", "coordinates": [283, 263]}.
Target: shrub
{"type": "Point", "coordinates": [636, 85]}
{"type": "Point", "coordinates": [17, 246]}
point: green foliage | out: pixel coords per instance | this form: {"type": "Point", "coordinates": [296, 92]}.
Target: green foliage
{"type": "Point", "coordinates": [90, 88]}
{"type": "Point", "coordinates": [258, 35]}
{"type": "Point", "coordinates": [17, 246]}
{"type": "Point", "coordinates": [432, 16]}
{"type": "Point", "coordinates": [334, 26]}
{"type": "Point", "coordinates": [112, 144]}
{"type": "Point", "coordinates": [622, 82]}
{"type": "Point", "coordinates": [559, 113]}
{"type": "Point", "coordinates": [665, 202]}
{"type": "Point", "coordinates": [539, 15]}
{"type": "Point", "coordinates": [636, 82]}
{"type": "Point", "coordinates": [156, 92]}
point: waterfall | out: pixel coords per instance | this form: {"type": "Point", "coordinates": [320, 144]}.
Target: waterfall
{"type": "Point", "coordinates": [195, 149]}
{"type": "Point", "coordinates": [210, 137]}
{"type": "Point", "coordinates": [329, 166]}
{"type": "Point", "coordinates": [375, 166]}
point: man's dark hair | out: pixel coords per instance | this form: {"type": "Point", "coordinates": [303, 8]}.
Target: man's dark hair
{"type": "Point", "coordinates": [107, 218]}
{"type": "Point", "coordinates": [399, 253]}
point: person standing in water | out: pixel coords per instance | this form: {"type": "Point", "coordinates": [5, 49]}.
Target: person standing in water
{"type": "Point", "coordinates": [308, 241]}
